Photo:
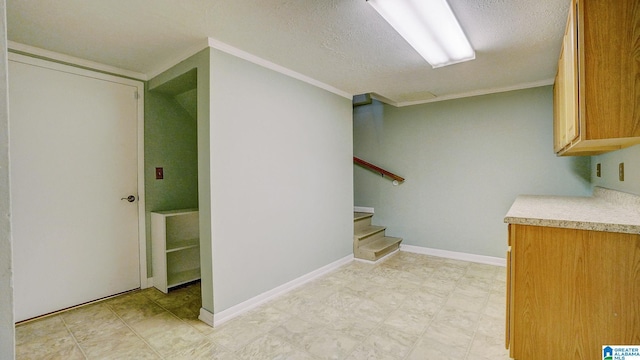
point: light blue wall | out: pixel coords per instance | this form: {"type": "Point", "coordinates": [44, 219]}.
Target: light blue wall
{"type": "Point", "coordinates": [170, 138]}
{"type": "Point", "coordinates": [281, 179]}
{"type": "Point", "coordinates": [465, 162]}
{"type": "Point", "coordinates": [199, 62]}
{"type": "Point", "coordinates": [609, 165]}
{"type": "Point", "coordinates": [7, 339]}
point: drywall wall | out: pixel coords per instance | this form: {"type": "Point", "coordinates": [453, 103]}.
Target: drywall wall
{"type": "Point", "coordinates": [200, 63]}
{"type": "Point", "coordinates": [7, 338]}
{"type": "Point", "coordinates": [170, 143]}
{"type": "Point", "coordinates": [281, 178]}
{"type": "Point", "coordinates": [465, 162]}
{"type": "Point", "coordinates": [609, 170]}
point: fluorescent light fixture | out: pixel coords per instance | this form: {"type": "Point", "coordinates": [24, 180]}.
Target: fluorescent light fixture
{"type": "Point", "coordinates": [430, 27]}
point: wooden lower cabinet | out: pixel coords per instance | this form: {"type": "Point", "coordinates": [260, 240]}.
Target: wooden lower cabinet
{"type": "Point", "coordinates": [569, 292]}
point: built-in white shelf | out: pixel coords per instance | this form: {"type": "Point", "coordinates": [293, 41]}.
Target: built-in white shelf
{"type": "Point", "coordinates": [176, 248]}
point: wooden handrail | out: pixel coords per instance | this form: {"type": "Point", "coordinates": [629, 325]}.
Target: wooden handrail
{"type": "Point", "coordinates": [379, 170]}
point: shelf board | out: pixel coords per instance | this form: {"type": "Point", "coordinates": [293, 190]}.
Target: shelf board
{"type": "Point", "coordinates": [182, 277]}
{"type": "Point", "coordinates": [175, 212]}
{"type": "Point", "coordinates": [182, 244]}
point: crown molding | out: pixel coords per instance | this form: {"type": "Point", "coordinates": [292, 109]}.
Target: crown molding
{"type": "Point", "coordinates": [40, 53]}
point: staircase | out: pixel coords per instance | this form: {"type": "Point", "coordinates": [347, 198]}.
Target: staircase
{"type": "Point", "coordinates": [369, 241]}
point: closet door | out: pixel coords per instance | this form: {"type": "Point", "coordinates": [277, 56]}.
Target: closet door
{"type": "Point", "coordinates": [73, 138]}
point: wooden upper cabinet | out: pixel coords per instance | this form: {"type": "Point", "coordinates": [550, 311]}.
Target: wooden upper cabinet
{"type": "Point", "coordinates": [597, 91]}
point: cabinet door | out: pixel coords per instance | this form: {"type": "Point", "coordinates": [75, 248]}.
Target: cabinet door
{"type": "Point", "coordinates": [565, 91]}
{"type": "Point", "coordinates": [507, 332]}
{"type": "Point", "coordinates": [557, 128]}
{"type": "Point", "coordinates": [559, 113]}
{"type": "Point", "coordinates": [572, 291]}
{"type": "Point", "coordinates": [570, 78]}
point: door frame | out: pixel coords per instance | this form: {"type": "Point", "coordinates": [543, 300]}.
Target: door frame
{"type": "Point", "coordinates": [139, 86]}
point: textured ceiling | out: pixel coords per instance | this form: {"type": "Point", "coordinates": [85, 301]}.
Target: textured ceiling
{"type": "Point", "coordinates": [342, 43]}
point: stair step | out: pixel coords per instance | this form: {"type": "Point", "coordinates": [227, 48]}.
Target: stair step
{"type": "Point", "coordinates": [368, 231]}
{"type": "Point", "coordinates": [361, 215]}
{"type": "Point", "coordinates": [379, 248]}
{"type": "Point", "coordinates": [361, 221]}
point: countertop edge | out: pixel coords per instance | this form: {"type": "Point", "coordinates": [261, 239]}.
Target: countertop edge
{"type": "Point", "coordinates": [606, 210]}
{"type": "Point", "coordinates": [577, 225]}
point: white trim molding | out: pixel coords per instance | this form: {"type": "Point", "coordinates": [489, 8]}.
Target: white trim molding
{"type": "Point", "coordinates": [482, 259]}
{"type": "Point", "coordinates": [487, 91]}
{"type": "Point", "coordinates": [364, 209]}
{"type": "Point", "coordinates": [206, 317]}
{"type": "Point", "coordinates": [219, 45]}
{"type": "Point", "coordinates": [243, 307]}
{"type": "Point", "coordinates": [37, 52]}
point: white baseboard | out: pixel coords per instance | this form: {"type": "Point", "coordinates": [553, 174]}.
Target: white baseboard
{"type": "Point", "coordinates": [482, 259]}
{"type": "Point", "coordinates": [206, 317]}
{"type": "Point", "coordinates": [363, 209]}
{"type": "Point", "coordinates": [230, 313]}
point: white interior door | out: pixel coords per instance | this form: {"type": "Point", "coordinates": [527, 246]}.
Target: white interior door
{"type": "Point", "coordinates": [74, 155]}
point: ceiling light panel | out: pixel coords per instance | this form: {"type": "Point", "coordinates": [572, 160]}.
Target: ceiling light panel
{"type": "Point", "coordinates": [430, 27]}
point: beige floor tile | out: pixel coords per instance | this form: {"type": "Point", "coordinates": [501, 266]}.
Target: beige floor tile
{"type": "Point", "coordinates": [365, 352]}
{"type": "Point", "coordinates": [119, 344]}
{"type": "Point", "coordinates": [488, 348]}
{"type": "Point", "coordinates": [427, 349]}
{"type": "Point", "coordinates": [88, 315]}
{"type": "Point", "coordinates": [343, 300]}
{"type": "Point", "coordinates": [84, 332]}
{"type": "Point", "coordinates": [441, 287]}
{"type": "Point", "coordinates": [449, 334]}
{"type": "Point", "coordinates": [425, 301]}
{"type": "Point", "coordinates": [167, 334]}
{"type": "Point", "coordinates": [458, 318]}
{"type": "Point", "coordinates": [385, 297]}
{"type": "Point", "coordinates": [478, 288]}
{"type": "Point", "coordinates": [324, 314]}
{"type": "Point", "coordinates": [465, 302]}
{"type": "Point", "coordinates": [293, 303]}
{"type": "Point", "coordinates": [318, 289]}
{"type": "Point", "coordinates": [270, 347]}
{"type": "Point", "coordinates": [178, 298]}
{"type": "Point", "coordinates": [491, 326]}
{"type": "Point", "coordinates": [238, 332]}
{"type": "Point", "coordinates": [40, 329]}
{"type": "Point", "coordinates": [295, 330]}
{"type": "Point", "coordinates": [136, 309]}
{"type": "Point", "coordinates": [54, 346]}
{"type": "Point", "coordinates": [371, 310]}
{"type": "Point", "coordinates": [496, 305]}
{"type": "Point", "coordinates": [392, 341]}
{"type": "Point", "coordinates": [409, 306]}
{"type": "Point", "coordinates": [411, 321]}
{"type": "Point", "coordinates": [203, 349]}
{"type": "Point", "coordinates": [327, 344]}
{"type": "Point", "coordinates": [356, 327]}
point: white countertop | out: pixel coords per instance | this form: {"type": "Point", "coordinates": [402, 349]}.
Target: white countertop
{"type": "Point", "coordinates": [607, 210]}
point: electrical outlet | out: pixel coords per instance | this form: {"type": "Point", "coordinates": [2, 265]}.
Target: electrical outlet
{"type": "Point", "coordinates": [159, 173]}
{"type": "Point", "coordinates": [599, 170]}
{"type": "Point", "coordinates": [621, 171]}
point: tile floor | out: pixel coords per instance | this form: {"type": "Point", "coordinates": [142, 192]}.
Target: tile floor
{"type": "Point", "coordinates": [408, 307]}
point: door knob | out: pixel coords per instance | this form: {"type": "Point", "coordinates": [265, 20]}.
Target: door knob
{"type": "Point", "coordinates": [129, 198]}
